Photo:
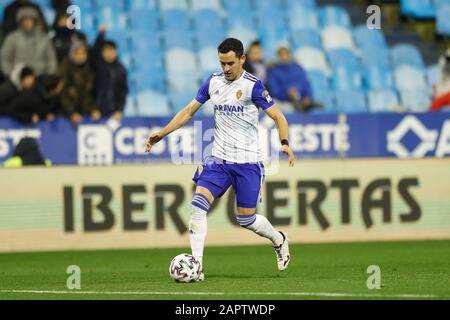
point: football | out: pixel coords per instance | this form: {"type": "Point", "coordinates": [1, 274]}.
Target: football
{"type": "Point", "coordinates": [184, 268]}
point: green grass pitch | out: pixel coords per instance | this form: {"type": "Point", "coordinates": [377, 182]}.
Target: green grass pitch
{"type": "Point", "coordinates": [409, 270]}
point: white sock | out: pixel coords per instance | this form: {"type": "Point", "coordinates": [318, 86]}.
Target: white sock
{"type": "Point", "coordinates": [262, 227]}
{"type": "Point", "coordinates": [198, 227]}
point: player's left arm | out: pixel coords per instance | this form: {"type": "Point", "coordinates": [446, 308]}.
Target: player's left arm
{"type": "Point", "coordinates": [283, 129]}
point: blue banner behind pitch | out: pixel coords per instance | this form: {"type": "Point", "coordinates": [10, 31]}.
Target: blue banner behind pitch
{"type": "Point", "coordinates": [311, 136]}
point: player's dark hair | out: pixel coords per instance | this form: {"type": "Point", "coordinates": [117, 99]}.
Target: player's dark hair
{"type": "Point", "coordinates": [232, 44]}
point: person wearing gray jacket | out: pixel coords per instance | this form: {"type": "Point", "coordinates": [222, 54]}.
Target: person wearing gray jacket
{"type": "Point", "coordinates": [28, 45]}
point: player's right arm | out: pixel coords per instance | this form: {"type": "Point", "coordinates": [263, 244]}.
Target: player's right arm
{"type": "Point", "coordinates": [180, 119]}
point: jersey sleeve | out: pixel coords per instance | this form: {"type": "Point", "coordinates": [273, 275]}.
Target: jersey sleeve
{"type": "Point", "coordinates": [203, 92]}
{"type": "Point", "coordinates": [261, 97]}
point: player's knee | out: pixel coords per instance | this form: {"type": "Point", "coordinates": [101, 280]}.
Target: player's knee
{"type": "Point", "coordinates": [246, 221]}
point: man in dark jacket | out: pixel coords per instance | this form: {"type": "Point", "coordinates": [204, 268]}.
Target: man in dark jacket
{"type": "Point", "coordinates": [111, 84]}
{"type": "Point", "coordinates": [22, 78]}
{"type": "Point", "coordinates": [10, 14]}
{"type": "Point", "coordinates": [288, 82]}
{"type": "Point", "coordinates": [38, 103]}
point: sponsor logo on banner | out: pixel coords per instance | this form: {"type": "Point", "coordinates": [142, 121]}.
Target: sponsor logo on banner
{"type": "Point", "coordinates": [95, 145]}
{"type": "Point", "coordinates": [430, 140]}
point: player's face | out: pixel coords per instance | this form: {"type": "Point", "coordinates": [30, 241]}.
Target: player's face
{"type": "Point", "coordinates": [231, 65]}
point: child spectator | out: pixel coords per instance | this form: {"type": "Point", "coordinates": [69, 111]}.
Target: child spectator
{"type": "Point", "coordinates": [77, 96]}
{"type": "Point", "coordinates": [63, 37]}
{"type": "Point", "coordinates": [111, 84]}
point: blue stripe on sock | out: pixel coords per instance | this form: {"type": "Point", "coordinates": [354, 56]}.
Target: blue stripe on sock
{"type": "Point", "coordinates": [201, 202]}
{"type": "Point", "coordinates": [246, 221]}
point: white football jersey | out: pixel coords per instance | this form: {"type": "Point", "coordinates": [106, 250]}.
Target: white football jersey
{"type": "Point", "coordinates": [236, 115]}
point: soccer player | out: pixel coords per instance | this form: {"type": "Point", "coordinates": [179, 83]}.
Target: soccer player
{"type": "Point", "coordinates": [236, 156]}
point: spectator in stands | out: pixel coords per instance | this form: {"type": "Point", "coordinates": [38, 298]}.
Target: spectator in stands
{"type": "Point", "coordinates": [63, 37]}
{"type": "Point", "coordinates": [288, 83]}
{"type": "Point", "coordinates": [38, 103]}
{"type": "Point", "coordinates": [28, 45]}
{"type": "Point", "coordinates": [442, 88]}
{"type": "Point", "coordinates": [255, 61]}
{"type": "Point", "coordinates": [111, 84]}
{"type": "Point", "coordinates": [22, 78]}
{"type": "Point", "coordinates": [77, 96]}
{"type": "Point", "coordinates": [10, 22]}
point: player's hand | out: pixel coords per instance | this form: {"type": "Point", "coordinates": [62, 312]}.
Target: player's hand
{"type": "Point", "coordinates": [152, 140]}
{"type": "Point", "coordinates": [287, 150]}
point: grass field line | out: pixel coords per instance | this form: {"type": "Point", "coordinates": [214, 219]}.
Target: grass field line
{"type": "Point", "coordinates": [155, 293]}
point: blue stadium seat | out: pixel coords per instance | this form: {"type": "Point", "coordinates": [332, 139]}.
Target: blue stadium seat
{"type": "Point", "coordinates": [144, 19]}
{"type": "Point", "coordinates": [245, 34]}
{"type": "Point", "coordinates": [343, 57]}
{"type": "Point", "coordinates": [327, 99]}
{"type": "Point", "coordinates": [367, 38]}
{"type": "Point", "coordinates": [206, 4]}
{"type": "Point", "coordinates": [207, 19]}
{"type": "Point", "coordinates": [181, 66]}
{"type": "Point", "coordinates": [334, 16]}
{"type": "Point", "coordinates": [209, 37]}
{"type": "Point", "coordinates": [377, 77]}
{"type": "Point", "coordinates": [416, 100]}
{"type": "Point", "coordinates": [83, 4]}
{"type": "Point", "coordinates": [383, 100]}
{"type": "Point", "coordinates": [375, 56]}
{"type": "Point", "coordinates": [130, 109]}
{"type": "Point", "coordinates": [209, 62]}
{"type": "Point", "coordinates": [241, 19]}
{"type": "Point", "coordinates": [176, 20]}
{"type": "Point", "coordinates": [318, 80]}
{"type": "Point", "coordinates": [306, 38]}
{"type": "Point", "coordinates": [234, 6]}
{"type": "Point", "coordinates": [116, 5]}
{"type": "Point", "coordinates": [409, 78]}
{"type": "Point", "coordinates": [303, 18]}
{"type": "Point", "coordinates": [295, 4]}
{"type": "Point", "coordinates": [421, 9]}
{"type": "Point", "coordinates": [405, 54]}
{"type": "Point", "coordinates": [270, 15]}
{"type": "Point", "coordinates": [345, 79]}
{"type": "Point", "coordinates": [272, 38]}
{"type": "Point", "coordinates": [352, 101]}
{"type": "Point", "coordinates": [141, 39]}
{"type": "Point", "coordinates": [442, 20]}
{"type": "Point", "coordinates": [141, 4]}
{"type": "Point", "coordinates": [335, 37]}
{"type": "Point", "coordinates": [112, 18]}
{"type": "Point", "coordinates": [167, 5]}
{"type": "Point", "coordinates": [173, 39]}
{"type": "Point", "coordinates": [179, 100]}
{"type": "Point", "coordinates": [152, 104]}
{"type": "Point", "coordinates": [312, 59]}
{"type": "Point", "coordinates": [180, 60]}
{"type": "Point", "coordinates": [154, 80]}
